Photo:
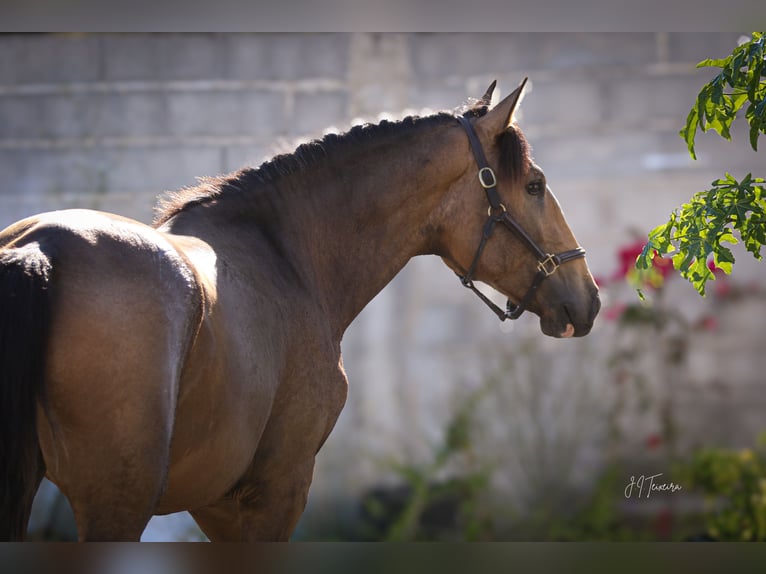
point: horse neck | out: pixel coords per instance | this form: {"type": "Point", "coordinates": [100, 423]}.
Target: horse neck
{"type": "Point", "coordinates": [361, 228]}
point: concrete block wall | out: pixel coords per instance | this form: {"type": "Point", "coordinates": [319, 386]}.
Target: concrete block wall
{"type": "Point", "coordinates": [101, 117]}
{"type": "Point", "coordinates": [110, 121]}
{"type": "Point", "coordinates": [97, 118]}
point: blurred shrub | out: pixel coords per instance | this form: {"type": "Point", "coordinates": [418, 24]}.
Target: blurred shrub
{"type": "Point", "coordinates": [734, 484]}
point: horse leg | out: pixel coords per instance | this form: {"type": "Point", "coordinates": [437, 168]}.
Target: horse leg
{"type": "Point", "coordinates": [112, 466]}
{"type": "Point", "coordinates": [259, 510]}
{"type": "Point", "coordinates": [106, 436]}
{"type": "Point", "coordinates": [220, 522]}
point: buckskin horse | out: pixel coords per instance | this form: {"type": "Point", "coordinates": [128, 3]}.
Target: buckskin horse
{"type": "Point", "coordinates": [196, 364]}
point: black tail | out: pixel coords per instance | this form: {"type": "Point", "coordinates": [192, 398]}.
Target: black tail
{"type": "Point", "coordinates": [24, 322]}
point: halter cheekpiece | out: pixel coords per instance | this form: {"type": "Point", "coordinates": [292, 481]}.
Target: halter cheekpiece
{"type": "Point", "coordinates": [547, 263]}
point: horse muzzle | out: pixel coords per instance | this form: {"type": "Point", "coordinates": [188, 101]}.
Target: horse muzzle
{"type": "Point", "coordinates": [570, 319]}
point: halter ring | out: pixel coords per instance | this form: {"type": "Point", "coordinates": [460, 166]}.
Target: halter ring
{"type": "Point", "coordinates": [548, 265]}
{"type": "Point", "coordinates": [501, 206]}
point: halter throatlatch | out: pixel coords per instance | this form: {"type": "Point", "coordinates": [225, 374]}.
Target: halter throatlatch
{"type": "Point", "coordinates": [547, 263]}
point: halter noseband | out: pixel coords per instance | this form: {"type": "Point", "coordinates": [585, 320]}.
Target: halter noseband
{"type": "Point", "coordinates": [547, 263]}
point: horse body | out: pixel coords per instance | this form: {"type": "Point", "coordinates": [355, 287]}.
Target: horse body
{"type": "Point", "coordinates": [196, 365]}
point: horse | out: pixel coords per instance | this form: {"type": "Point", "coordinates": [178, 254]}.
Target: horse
{"type": "Point", "coordinates": [195, 364]}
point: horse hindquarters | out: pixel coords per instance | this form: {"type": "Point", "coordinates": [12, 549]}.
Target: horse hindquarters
{"type": "Point", "coordinates": [24, 326]}
{"type": "Point", "coordinates": [123, 316]}
{"type": "Point", "coordinates": [92, 343]}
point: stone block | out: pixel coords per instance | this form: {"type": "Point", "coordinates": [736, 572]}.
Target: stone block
{"type": "Point", "coordinates": [735, 156]}
{"type": "Point", "coordinates": [49, 58]}
{"type": "Point", "coordinates": [15, 207]}
{"type": "Point", "coordinates": [563, 103]}
{"type": "Point", "coordinates": [584, 154]}
{"type": "Point", "coordinates": [643, 99]}
{"type": "Point", "coordinates": [436, 56]}
{"type": "Point", "coordinates": [316, 111]}
{"type": "Point", "coordinates": [287, 56]}
{"type": "Point", "coordinates": [440, 55]}
{"type": "Point", "coordinates": [136, 205]}
{"type": "Point", "coordinates": [163, 57]}
{"type": "Point", "coordinates": [21, 116]}
{"type": "Point", "coordinates": [256, 113]}
{"type": "Point", "coordinates": [693, 47]}
{"type": "Point", "coordinates": [237, 156]}
{"type": "Point", "coordinates": [159, 169]}
{"type": "Point", "coordinates": [133, 114]}
{"type": "Point", "coordinates": [438, 96]}
{"type": "Point", "coordinates": [564, 51]}
{"type": "Point", "coordinates": [80, 115]}
{"type": "Point", "coordinates": [70, 115]}
{"type": "Point", "coordinates": [50, 171]}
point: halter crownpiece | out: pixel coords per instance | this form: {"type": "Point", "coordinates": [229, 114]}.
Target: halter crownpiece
{"type": "Point", "coordinates": [547, 264]}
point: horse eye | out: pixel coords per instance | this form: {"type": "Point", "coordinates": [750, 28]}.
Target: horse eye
{"type": "Point", "coordinates": [535, 187]}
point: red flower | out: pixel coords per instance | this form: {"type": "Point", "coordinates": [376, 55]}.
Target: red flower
{"type": "Point", "coordinates": [722, 286]}
{"type": "Point", "coordinates": [664, 266]}
{"type": "Point", "coordinates": [628, 254]}
{"type": "Point", "coordinates": [653, 441]}
{"type": "Point", "coordinates": [663, 525]}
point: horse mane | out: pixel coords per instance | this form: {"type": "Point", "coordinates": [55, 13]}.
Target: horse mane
{"type": "Point", "coordinates": [514, 156]}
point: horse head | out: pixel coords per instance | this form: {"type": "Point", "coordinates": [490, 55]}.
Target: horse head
{"type": "Point", "coordinates": [506, 228]}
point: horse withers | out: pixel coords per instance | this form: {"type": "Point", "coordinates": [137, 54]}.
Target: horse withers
{"type": "Point", "coordinates": [196, 365]}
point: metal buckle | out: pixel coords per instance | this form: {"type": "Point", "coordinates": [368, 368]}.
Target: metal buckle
{"type": "Point", "coordinates": [543, 265]}
{"type": "Point", "coordinates": [484, 184]}
{"type": "Point", "coordinates": [500, 206]}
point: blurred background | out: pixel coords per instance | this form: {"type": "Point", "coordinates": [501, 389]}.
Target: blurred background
{"type": "Point", "coordinates": [457, 427]}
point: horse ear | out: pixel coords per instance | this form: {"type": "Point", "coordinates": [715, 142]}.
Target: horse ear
{"type": "Point", "coordinates": [500, 117]}
{"type": "Point", "coordinates": [486, 99]}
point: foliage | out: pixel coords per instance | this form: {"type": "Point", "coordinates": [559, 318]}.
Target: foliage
{"type": "Point", "coordinates": [424, 491]}
{"type": "Point", "coordinates": [599, 518]}
{"type": "Point", "coordinates": [696, 232]}
{"type": "Point", "coordinates": [508, 466]}
{"type": "Point", "coordinates": [734, 483]}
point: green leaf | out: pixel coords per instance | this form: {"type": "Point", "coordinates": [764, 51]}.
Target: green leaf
{"type": "Point", "coordinates": [737, 101]}
{"type": "Point", "coordinates": [690, 131]}
{"type": "Point", "coordinates": [723, 259]}
{"type": "Point", "coordinates": [698, 229]}
{"type": "Point", "coordinates": [713, 63]}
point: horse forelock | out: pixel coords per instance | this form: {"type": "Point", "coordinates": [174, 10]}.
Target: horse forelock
{"type": "Point", "coordinates": [515, 152]}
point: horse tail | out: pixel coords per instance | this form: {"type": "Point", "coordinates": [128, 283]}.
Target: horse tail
{"type": "Point", "coordinates": [24, 325]}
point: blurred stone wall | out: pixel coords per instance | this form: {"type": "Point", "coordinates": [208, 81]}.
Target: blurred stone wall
{"type": "Point", "coordinates": [109, 121]}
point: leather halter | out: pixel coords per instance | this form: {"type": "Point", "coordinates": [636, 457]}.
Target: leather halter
{"type": "Point", "coordinates": [547, 264]}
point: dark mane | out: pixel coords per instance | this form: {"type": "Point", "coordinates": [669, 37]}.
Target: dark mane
{"type": "Point", "coordinates": [513, 146]}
